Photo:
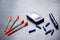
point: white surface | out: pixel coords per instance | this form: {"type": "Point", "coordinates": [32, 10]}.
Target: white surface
{"type": "Point", "coordinates": [23, 7]}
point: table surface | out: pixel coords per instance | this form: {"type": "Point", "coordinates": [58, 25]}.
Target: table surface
{"type": "Point", "coordinates": [24, 7]}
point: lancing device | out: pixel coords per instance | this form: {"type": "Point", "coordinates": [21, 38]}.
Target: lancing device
{"type": "Point", "coordinates": [53, 20]}
{"type": "Point", "coordinates": [35, 18]}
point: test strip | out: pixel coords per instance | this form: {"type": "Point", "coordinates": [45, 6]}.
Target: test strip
{"type": "Point", "coordinates": [53, 21]}
{"type": "Point", "coordinates": [38, 26]}
{"type": "Point", "coordinates": [47, 24]}
{"type": "Point", "coordinates": [11, 32]}
{"type": "Point", "coordinates": [48, 32]}
{"type": "Point", "coordinates": [32, 30]}
{"type": "Point", "coordinates": [44, 28]}
{"type": "Point", "coordinates": [52, 31]}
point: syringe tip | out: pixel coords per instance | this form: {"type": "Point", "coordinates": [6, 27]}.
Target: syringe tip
{"type": "Point", "coordinates": [26, 23]}
{"type": "Point", "coordinates": [17, 17]}
{"type": "Point", "coordinates": [10, 17]}
{"type": "Point", "coordinates": [22, 21]}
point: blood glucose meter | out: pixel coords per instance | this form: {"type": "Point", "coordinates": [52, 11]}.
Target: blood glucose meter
{"type": "Point", "coordinates": [35, 18]}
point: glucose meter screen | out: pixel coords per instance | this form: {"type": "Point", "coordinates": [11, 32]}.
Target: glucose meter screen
{"type": "Point", "coordinates": [29, 19]}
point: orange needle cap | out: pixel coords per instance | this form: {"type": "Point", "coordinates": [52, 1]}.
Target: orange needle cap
{"type": "Point", "coordinates": [9, 18]}
{"type": "Point", "coordinates": [22, 21]}
{"type": "Point", "coordinates": [17, 17]}
{"type": "Point", "coordinates": [26, 23]}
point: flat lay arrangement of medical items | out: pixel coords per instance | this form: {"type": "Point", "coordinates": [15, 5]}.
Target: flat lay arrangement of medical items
{"type": "Point", "coordinates": [34, 18]}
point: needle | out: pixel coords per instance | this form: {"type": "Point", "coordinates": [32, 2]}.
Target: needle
{"type": "Point", "coordinates": [11, 32]}
{"type": "Point", "coordinates": [9, 20]}
{"type": "Point", "coordinates": [17, 17]}
{"type": "Point", "coordinates": [21, 22]}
